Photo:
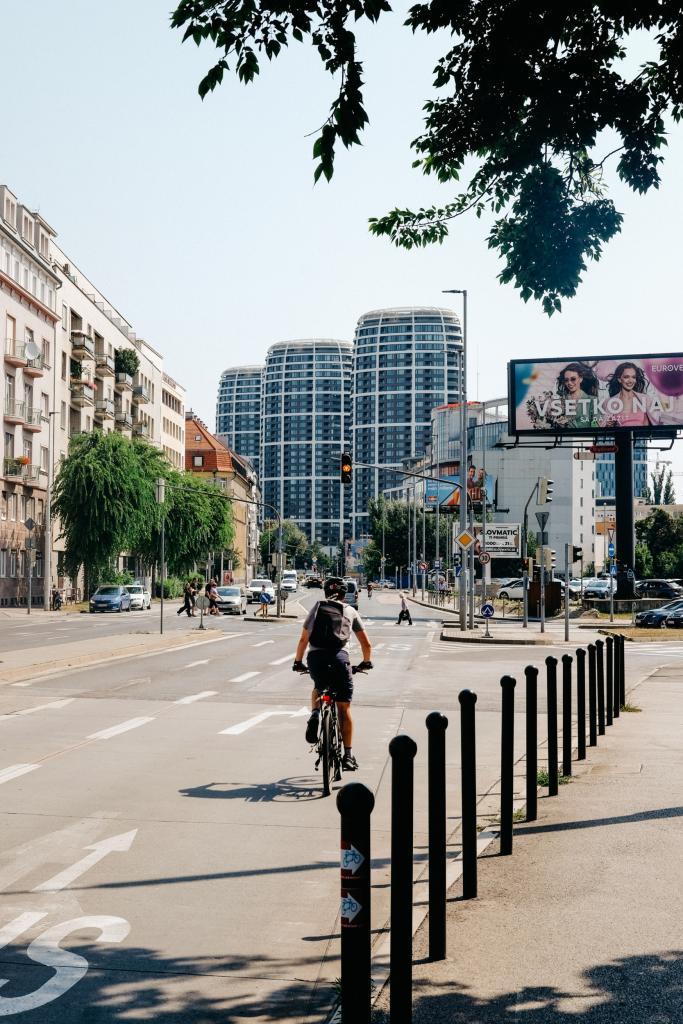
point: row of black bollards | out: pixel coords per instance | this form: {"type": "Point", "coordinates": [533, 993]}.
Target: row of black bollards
{"type": "Point", "coordinates": [606, 697]}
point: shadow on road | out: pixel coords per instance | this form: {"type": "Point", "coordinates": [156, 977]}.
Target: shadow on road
{"type": "Point", "coordinates": [284, 790]}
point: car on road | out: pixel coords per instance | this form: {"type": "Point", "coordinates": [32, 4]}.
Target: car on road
{"type": "Point", "coordinates": [290, 582]}
{"type": "Point", "coordinates": [140, 598]}
{"type": "Point", "coordinates": [659, 588]}
{"type": "Point", "coordinates": [254, 589]}
{"type": "Point", "coordinates": [674, 619]}
{"type": "Point", "coordinates": [110, 598]}
{"type": "Point", "coordinates": [232, 600]}
{"type": "Point", "coordinates": [387, 584]}
{"type": "Point", "coordinates": [512, 591]}
{"type": "Point", "coordinates": [351, 595]}
{"type": "Point", "coordinates": [313, 581]}
{"type": "Point", "coordinates": [575, 588]}
{"type": "Point", "coordinates": [600, 589]}
{"type": "Point", "coordinates": [656, 618]}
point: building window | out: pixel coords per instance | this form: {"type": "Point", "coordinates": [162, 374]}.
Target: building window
{"type": "Point", "coordinates": [197, 460]}
{"type": "Point", "coordinates": [63, 365]}
{"type": "Point", "coordinates": [62, 416]}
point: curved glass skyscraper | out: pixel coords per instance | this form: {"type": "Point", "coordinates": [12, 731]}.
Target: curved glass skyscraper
{"type": "Point", "coordinates": [306, 407]}
{"type": "Point", "coordinates": [406, 361]}
{"type": "Point", "coordinates": [238, 410]}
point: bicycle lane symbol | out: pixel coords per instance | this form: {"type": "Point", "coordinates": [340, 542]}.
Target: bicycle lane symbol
{"type": "Point", "coordinates": [46, 949]}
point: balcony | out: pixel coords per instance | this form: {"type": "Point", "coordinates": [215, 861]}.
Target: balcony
{"type": "Point", "coordinates": [82, 392]}
{"type": "Point", "coordinates": [104, 409]}
{"type": "Point", "coordinates": [140, 429]}
{"type": "Point", "coordinates": [123, 421]}
{"type": "Point", "coordinates": [12, 467]}
{"type": "Point", "coordinates": [123, 382]}
{"type": "Point", "coordinates": [82, 346]}
{"type": "Point", "coordinates": [15, 352]}
{"type": "Point", "coordinates": [31, 474]}
{"type": "Point", "coordinates": [104, 365]}
{"type": "Point", "coordinates": [140, 394]}
{"type": "Point", "coordinates": [33, 419]}
{"type": "Point", "coordinates": [35, 367]}
{"type": "Point", "coordinates": [14, 411]}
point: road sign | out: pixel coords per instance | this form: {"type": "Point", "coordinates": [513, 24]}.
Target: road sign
{"type": "Point", "coordinates": [458, 571]}
{"type": "Point", "coordinates": [484, 558]}
{"type": "Point", "coordinates": [465, 539]}
{"type": "Point", "coordinates": [487, 610]}
{"type": "Point", "coordinates": [542, 518]}
{"type": "Point", "coordinates": [584, 456]}
{"type": "Point", "coordinates": [29, 524]}
{"type": "Point", "coordinates": [437, 563]}
{"type": "Point", "coordinates": [630, 574]}
{"type": "Point", "coordinates": [203, 602]}
{"type": "Point", "coordinates": [598, 449]}
{"type": "Point", "coordinates": [612, 570]}
{"type": "Point", "coordinates": [422, 566]}
{"type": "Point", "coordinates": [610, 550]}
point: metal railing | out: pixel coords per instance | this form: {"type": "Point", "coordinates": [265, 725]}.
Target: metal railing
{"type": "Point", "coordinates": [15, 410]}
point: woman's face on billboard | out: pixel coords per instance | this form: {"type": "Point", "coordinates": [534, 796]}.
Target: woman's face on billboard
{"type": "Point", "coordinates": [572, 381]}
{"type": "Point", "coordinates": [628, 379]}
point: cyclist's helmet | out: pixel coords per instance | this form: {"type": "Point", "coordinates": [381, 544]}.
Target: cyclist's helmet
{"type": "Point", "coordinates": [334, 587]}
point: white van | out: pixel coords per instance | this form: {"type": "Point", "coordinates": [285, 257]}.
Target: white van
{"type": "Point", "coordinates": [290, 580]}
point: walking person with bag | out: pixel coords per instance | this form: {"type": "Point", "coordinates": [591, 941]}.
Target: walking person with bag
{"type": "Point", "coordinates": [404, 612]}
{"type": "Point", "coordinates": [186, 606]}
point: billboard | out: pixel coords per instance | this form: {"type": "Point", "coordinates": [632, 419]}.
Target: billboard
{"type": "Point", "coordinates": [447, 495]}
{"type": "Point", "coordinates": [503, 540]}
{"type": "Point", "coordinates": [589, 395]}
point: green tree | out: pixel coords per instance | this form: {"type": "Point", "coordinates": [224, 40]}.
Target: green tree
{"type": "Point", "coordinates": [663, 536]}
{"type": "Point", "coordinates": [524, 96]}
{"type": "Point", "coordinates": [294, 542]}
{"type": "Point", "coordinates": [127, 361]}
{"type": "Point", "coordinates": [669, 494]}
{"type": "Point", "coordinates": [643, 560]}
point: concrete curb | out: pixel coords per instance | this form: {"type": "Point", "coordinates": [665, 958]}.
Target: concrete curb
{"type": "Point", "coordinates": [493, 640]}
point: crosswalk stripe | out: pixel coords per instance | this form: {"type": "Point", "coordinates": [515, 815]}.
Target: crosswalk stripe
{"type": "Point", "coordinates": [243, 678]}
{"type": "Point", "coordinates": [15, 770]}
{"type": "Point", "coordinates": [115, 730]}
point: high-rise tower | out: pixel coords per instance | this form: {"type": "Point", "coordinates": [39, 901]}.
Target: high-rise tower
{"type": "Point", "coordinates": [238, 411]}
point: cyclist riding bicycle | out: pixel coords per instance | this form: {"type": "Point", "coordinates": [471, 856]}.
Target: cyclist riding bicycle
{"type": "Point", "coordinates": [326, 632]}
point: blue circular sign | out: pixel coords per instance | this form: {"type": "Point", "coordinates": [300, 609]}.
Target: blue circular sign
{"type": "Point", "coordinates": [610, 550]}
{"type": "Point", "coordinates": [487, 610]}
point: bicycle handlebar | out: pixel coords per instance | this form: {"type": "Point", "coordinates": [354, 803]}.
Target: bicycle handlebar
{"type": "Point", "coordinates": [305, 671]}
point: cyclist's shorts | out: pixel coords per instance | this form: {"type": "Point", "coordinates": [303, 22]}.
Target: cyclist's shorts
{"type": "Point", "coordinates": [332, 669]}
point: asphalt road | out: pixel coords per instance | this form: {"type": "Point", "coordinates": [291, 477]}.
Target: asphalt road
{"type": "Point", "coordinates": [166, 854]}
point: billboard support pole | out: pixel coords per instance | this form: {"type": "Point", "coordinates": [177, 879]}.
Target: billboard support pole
{"type": "Point", "coordinates": [623, 509]}
{"type": "Point", "coordinates": [463, 448]}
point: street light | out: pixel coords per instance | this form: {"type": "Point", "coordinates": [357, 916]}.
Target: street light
{"type": "Point", "coordinates": [463, 442]}
{"type": "Point", "coordinates": [160, 496]}
{"type": "Point", "coordinates": [47, 553]}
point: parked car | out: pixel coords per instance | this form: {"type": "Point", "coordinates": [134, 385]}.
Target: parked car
{"type": "Point", "coordinates": [600, 589]}
{"type": "Point", "coordinates": [575, 588]}
{"type": "Point", "coordinates": [232, 600]}
{"type": "Point", "coordinates": [140, 598]}
{"type": "Point", "coordinates": [254, 589]}
{"type": "Point", "coordinates": [387, 584]}
{"type": "Point", "coordinates": [513, 591]}
{"type": "Point", "coordinates": [290, 582]}
{"type": "Point", "coordinates": [659, 588]}
{"type": "Point", "coordinates": [110, 598]}
{"type": "Point", "coordinates": [656, 618]}
{"type": "Point", "coordinates": [351, 596]}
{"type": "Point", "coordinates": [674, 619]}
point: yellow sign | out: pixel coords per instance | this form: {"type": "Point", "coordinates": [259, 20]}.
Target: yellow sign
{"type": "Point", "coordinates": [465, 539]}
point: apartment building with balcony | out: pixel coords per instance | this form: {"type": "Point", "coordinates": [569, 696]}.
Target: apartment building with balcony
{"type": "Point", "coordinates": [71, 363]}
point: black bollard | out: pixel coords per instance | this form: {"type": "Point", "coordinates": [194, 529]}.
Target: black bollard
{"type": "Point", "coordinates": [402, 749]}
{"type": "Point", "coordinates": [581, 703]}
{"type": "Point", "coordinates": [622, 671]}
{"type": "Point", "coordinates": [551, 698]}
{"type": "Point", "coordinates": [600, 664]}
{"type": "Point", "coordinates": [531, 674]}
{"type": "Point", "coordinates": [567, 714]}
{"type": "Point", "coordinates": [592, 699]}
{"type": "Point", "coordinates": [469, 793]}
{"type": "Point", "coordinates": [507, 765]}
{"type": "Point", "coordinates": [355, 803]}
{"type": "Point", "coordinates": [617, 678]}
{"type": "Point", "coordinates": [609, 659]}
{"type": "Point", "coordinates": [436, 796]}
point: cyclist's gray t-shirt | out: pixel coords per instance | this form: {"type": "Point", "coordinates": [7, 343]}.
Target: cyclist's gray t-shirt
{"type": "Point", "coordinates": [352, 621]}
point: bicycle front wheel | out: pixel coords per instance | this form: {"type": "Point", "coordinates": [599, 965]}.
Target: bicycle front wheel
{"type": "Point", "coordinates": [326, 750]}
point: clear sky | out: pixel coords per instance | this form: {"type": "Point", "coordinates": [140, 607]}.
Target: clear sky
{"type": "Point", "coordinates": [201, 223]}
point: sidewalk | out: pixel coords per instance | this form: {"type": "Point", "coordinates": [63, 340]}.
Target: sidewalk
{"type": "Point", "coordinates": [583, 923]}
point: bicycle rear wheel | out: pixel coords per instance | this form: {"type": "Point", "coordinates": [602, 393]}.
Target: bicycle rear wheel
{"type": "Point", "coordinates": [326, 750]}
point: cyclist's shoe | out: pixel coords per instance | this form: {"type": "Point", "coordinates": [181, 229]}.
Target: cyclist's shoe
{"type": "Point", "coordinates": [312, 729]}
{"type": "Point", "coordinates": [349, 763]}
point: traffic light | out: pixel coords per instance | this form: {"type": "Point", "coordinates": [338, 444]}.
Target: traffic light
{"type": "Point", "coordinates": [577, 554]}
{"type": "Point", "coordinates": [545, 490]}
{"type": "Point", "coordinates": [346, 469]}
{"type": "Point", "coordinates": [528, 566]}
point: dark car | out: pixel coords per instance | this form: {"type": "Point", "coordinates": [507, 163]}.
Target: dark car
{"type": "Point", "coordinates": [659, 589]}
{"type": "Point", "coordinates": [656, 618]}
{"type": "Point", "coordinates": [313, 581]}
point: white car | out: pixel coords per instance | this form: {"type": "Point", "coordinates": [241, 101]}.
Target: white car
{"type": "Point", "coordinates": [512, 591]}
{"type": "Point", "coordinates": [140, 598]}
{"type": "Point", "coordinates": [290, 582]}
{"type": "Point", "coordinates": [254, 590]}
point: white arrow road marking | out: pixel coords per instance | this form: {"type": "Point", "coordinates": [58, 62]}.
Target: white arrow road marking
{"type": "Point", "coordinates": [235, 730]}
{"type": "Point", "coordinates": [281, 661]}
{"type": "Point", "coordinates": [196, 696]}
{"type": "Point", "coordinates": [263, 643]}
{"type": "Point", "coordinates": [115, 844]}
{"type": "Point", "coordinates": [15, 770]}
{"type": "Point", "coordinates": [243, 678]}
{"type": "Point", "coordinates": [41, 707]}
{"type": "Point", "coordinates": [132, 723]}
{"type": "Point", "coordinates": [193, 664]}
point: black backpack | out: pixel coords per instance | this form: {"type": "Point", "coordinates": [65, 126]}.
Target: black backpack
{"type": "Point", "coordinates": [331, 629]}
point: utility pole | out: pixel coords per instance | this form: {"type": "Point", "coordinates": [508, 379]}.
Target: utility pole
{"type": "Point", "coordinates": [463, 449]}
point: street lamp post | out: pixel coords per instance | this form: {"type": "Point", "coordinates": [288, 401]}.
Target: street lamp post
{"type": "Point", "coordinates": [463, 447]}
{"type": "Point", "coordinates": [47, 552]}
{"type": "Point", "coordinates": [160, 495]}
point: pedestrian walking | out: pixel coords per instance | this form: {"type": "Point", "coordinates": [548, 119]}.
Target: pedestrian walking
{"type": "Point", "coordinates": [404, 612]}
{"type": "Point", "coordinates": [186, 606]}
{"type": "Point", "coordinates": [264, 601]}
{"type": "Point", "coordinates": [193, 596]}
{"type": "Point", "coordinates": [212, 594]}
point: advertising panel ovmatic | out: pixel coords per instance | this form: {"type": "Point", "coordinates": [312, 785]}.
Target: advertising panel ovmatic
{"type": "Point", "coordinates": [589, 395]}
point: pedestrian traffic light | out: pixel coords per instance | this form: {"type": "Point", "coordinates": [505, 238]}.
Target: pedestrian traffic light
{"type": "Point", "coordinates": [545, 490]}
{"type": "Point", "coordinates": [577, 554]}
{"type": "Point", "coordinates": [346, 469]}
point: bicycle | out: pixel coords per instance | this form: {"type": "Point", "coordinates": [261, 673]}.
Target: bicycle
{"type": "Point", "coordinates": [329, 743]}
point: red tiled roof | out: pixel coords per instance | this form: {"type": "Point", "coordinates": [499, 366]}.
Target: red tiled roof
{"type": "Point", "coordinates": [216, 456]}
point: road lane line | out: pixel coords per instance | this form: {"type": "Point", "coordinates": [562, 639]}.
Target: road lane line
{"type": "Point", "coordinates": [263, 643]}
{"type": "Point", "coordinates": [243, 678]}
{"type": "Point", "coordinates": [193, 664]}
{"type": "Point", "coordinates": [196, 696]}
{"type": "Point", "coordinates": [236, 730]}
{"type": "Point", "coordinates": [15, 770]}
{"type": "Point", "coordinates": [115, 730]}
{"type": "Point", "coordinates": [281, 661]}
{"type": "Point", "coordinates": [21, 684]}
{"type": "Point", "coordinates": [40, 707]}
